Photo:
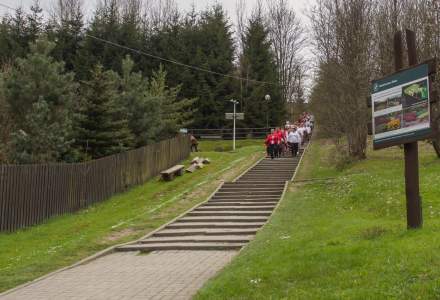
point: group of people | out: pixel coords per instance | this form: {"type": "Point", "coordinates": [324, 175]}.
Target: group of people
{"type": "Point", "coordinates": [281, 141]}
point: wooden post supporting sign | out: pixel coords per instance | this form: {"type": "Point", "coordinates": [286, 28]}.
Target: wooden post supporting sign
{"type": "Point", "coordinates": [413, 199]}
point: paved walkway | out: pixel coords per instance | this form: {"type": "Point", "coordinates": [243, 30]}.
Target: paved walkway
{"type": "Point", "coordinates": [158, 275]}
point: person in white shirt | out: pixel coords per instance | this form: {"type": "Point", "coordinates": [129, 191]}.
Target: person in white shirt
{"type": "Point", "coordinates": [303, 132]}
{"type": "Point", "coordinates": [293, 140]}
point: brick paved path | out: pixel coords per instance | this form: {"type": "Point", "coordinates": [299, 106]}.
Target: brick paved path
{"type": "Point", "coordinates": [158, 275]}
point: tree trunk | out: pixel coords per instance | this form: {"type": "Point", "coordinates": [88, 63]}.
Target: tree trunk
{"type": "Point", "coordinates": [357, 142]}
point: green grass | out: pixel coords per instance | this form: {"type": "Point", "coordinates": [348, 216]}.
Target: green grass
{"type": "Point", "coordinates": [61, 241]}
{"type": "Point", "coordinates": [212, 145]}
{"type": "Point", "coordinates": [343, 238]}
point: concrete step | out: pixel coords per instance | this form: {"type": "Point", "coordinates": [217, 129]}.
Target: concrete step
{"type": "Point", "coordinates": [235, 208]}
{"type": "Point", "coordinates": [273, 168]}
{"type": "Point", "coordinates": [208, 225]}
{"type": "Point", "coordinates": [259, 185]}
{"type": "Point", "coordinates": [278, 162]}
{"type": "Point", "coordinates": [231, 213]}
{"type": "Point", "coordinates": [265, 170]}
{"type": "Point", "coordinates": [230, 201]}
{"type": "Point", "coordinates": [181, 246]}
{"type": "Point", "coordinates": [205, 232]}
{"type": "Point", "coordinates": [244, 200]}
{"type": "Point", "coordinates": [267, 175]}
{"type": "Point", "coordinates": [251, 189]}
{"type": "Point", "coordinates": [266, 178]}
{"type": "Point", "coordinates": [240, 204]}
{"type": "Point", "coordinates": [226, 219]}
{"type": "Point", "coordinates": [200, 239]}
{"type": "Point", "coordinates": [274, 171]}
{"type": "Point", "coordinates": [249, 194]}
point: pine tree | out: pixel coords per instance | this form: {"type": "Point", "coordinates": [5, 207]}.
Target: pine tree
{"type": "Point", "coordinates": [258, 63]}
{"type": "Point", "coordinates": [41, 98]}
{"type": "Point", "coordinates": [34, 21]}
{"type": "Point", "coordinates": [215, 51]}
{"type": "Point", "coordinates": [142, 108]}
{"type": "Point", "coordinates": [114, 23]}
{"type": "Point", "coordinates": [45, 138]}
{"type": "Point", "coordinates": [175, 113]}
{"type": "Point", "coordinates": [104, 127]}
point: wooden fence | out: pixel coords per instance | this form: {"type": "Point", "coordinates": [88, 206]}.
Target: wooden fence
{"type": "Point", "coordinates": [30, 194]}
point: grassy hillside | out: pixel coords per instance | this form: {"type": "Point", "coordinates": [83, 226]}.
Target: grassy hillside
{"type": "Point", "coordinates": [30, 253]}
{"type": "Point", "coordinates": [344, 237]}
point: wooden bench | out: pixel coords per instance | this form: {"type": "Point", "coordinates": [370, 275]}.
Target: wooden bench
{"type": "Point", "coordinates": [169, 174]}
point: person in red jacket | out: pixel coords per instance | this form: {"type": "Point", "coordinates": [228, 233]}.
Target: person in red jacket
{"type": "Point", "coordinates": [271, 143]}
{"type": "Point", "coordinates": [280, 142]}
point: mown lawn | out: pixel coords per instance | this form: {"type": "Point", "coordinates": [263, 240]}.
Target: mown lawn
{"type": "Point", "coordinates": [61, 241]}
{"type": "Point", "coordinates": [213, 145]}
{"type": "Point", "coordinates": [343, 238]}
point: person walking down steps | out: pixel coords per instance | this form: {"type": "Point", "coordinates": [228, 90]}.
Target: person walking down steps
{"type": "Point", "coordinates": [271, 144]}
{"type": "Point", "coordinates": [294, 140]}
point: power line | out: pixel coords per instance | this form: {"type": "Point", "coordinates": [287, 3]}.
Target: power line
{"type": "Point", "coordinates": [8, 7]}
{"type": "Point", "coordinates": [140, 52]}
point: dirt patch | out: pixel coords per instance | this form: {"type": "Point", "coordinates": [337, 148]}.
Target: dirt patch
{"type": "Point", "coordinates": [117, 235]}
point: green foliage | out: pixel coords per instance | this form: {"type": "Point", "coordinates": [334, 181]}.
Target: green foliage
{"type": "Point", "coordinates": [6, 126]}
{"type": "Point", "coordinates": [142, 107]}
{"type": "Point", "coordinates": [41, 98]}
{"type": "Point", "coordinates": [203, 40]}
{"type": "Point", "coordinates": [258, 63]}
{"type": "Point", "coordinates": [45, 139]}
{"type": "Point", "coordinates": [104, 126]}
{"type": "Point", "coordinates": [17, 32]}
{"type": "Point", "coordinates": [147, 101]}
{"type": "Point", "coordinates": [66, 30]}
{"type": "Point", "coordinates": [175, 113]}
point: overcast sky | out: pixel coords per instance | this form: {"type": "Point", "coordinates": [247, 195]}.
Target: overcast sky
{"type": "Point", "coordinates": [229, 5]}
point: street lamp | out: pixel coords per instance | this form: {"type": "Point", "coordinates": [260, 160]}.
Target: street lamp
{"type": "Point", "coordinates": [235, 102]}
{"type": "Point", "coordinates": [267, 98]}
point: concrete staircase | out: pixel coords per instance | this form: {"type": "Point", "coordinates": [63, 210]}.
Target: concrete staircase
{"type": "Point", "coordinates": [231, 217]}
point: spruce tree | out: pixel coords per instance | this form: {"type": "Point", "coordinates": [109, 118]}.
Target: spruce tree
{"type": "Point", "coordinates": [258, 63]}
{"type": "Point", "coordinates": [104, 127]}
{"type": "Point", "coordinates": [215, 51]}
{"type": "Point", "coordinates": [66, 29]}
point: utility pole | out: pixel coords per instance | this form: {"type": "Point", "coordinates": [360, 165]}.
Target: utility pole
{"type": "Point", "coordinates": [235, 102]}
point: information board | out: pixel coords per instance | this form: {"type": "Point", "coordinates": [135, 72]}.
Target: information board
{"type": "Point", "coordinates": [401, 108]}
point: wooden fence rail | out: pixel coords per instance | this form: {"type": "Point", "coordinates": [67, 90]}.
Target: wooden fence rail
{"type": "Point", "coordinates": [30, 194]}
